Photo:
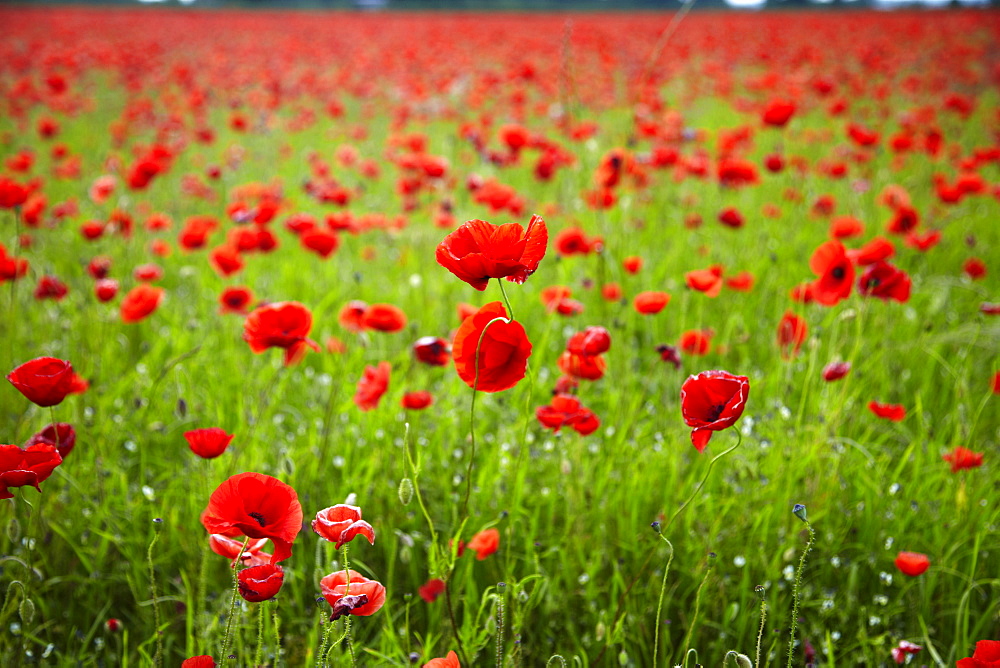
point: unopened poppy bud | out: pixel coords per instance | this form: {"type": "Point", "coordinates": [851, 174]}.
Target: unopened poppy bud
{"type": "Point", "coordinates": [405, 491]}
{"type": "Point", "coordinates": [623, 658]}
{"type": "Point", "coordinates": [800, 511]}
{"type": "Point", "coordinates": [113, 625]}
{"type": "Point", "coordinates": [26, 611]}
{"type": "Point", "coordinates": [759, 590]}
{"type": "Point", "coordinates": [743, 661]}
{"type": "Point", "coordinates": [13, 530]}
{"type": "Point", "coordinates": [656, 527]}
{"type": "Point", "coordinates": [157, 523]}
{"type": "Point", "coordinates": [182, 408]}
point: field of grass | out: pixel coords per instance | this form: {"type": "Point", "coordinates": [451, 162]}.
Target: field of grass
{"type": "Point", "coordinates": [240, 111]}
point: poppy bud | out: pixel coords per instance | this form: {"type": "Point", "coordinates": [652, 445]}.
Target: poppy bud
{"type": "Point", "coordinates": [13, 530]}
{"type": "Point", "coordinates": [759, 590]}
{"type": "Point", "coordinates": [800, 511]}
{"type": "Point", "coordinates": [113, 625]}
{"type": "Point", "coordinates": [405, 491]}
{"type": "Point", "coordinates": [743, 661]}
{"type": "Point", "coordinates": [656, 527]}
{"type": "Point", "coordinates": [26, 611]}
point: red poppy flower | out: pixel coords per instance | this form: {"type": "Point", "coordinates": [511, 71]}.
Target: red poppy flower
{"type": "Point", "coordinates": [731, 217]}
{"type": "Point", "coordinates": [485, 543]}
{"type": "Point", "coordinates": [352, 315]}
{"type": "Point", "coordinates": [226, 259]}
{"type": "Point", "coordinates": [963, 458]}
{"type": "Point", "coordinates": [582, 366]}
{"type": "Point", "coordinates": [432, 589]}
{"type": "Point", "coordinates": [573, 241]}
{"type": "Point", "coordinates": [886, 282]}
{"type": "Point", "coordinates": [503, 351]}
{"type": "Point", "coordinates": [893, 412]}
{"type": "Point", "coordinates": [741, 282]}
{"type": "Point", "coordinates": [50, 287]}
{"type": "Point", "coordinates": [845, 227]}
{"type": "Point", "coordinates": [235, 299]}
{"type": "Point", "coordinates": [320, 240]}
{"type": "Point", "coordinates": [383, 318]}
{"type": "Point", "coordinates": [712, 401]}
{"type": "Point", "coordinates": [912, 563]}
{"type": "Point", "coordinates": [904, 219]}
{"type": "Point", "coordinates": [923, 242]}
{"type": "Point", "coordinates": [417, 401]}
{"type": "Point", "coordinates": [904, 649]}
{"type": "Point", "coordinates": [26, 466]}
{"type": "Point", "coordinates": [708, 281]}
{"type": "Point", "coordinates": [196, 231]}
{"type": "Point", "coordinates": [61, 435]}
{"type": "Point", "coordinates": [876, 250]}
{"type": "Point", "coordinates": [611, 292]}
{"type": "Point", "coordinates": [260, 583]}
{"type": "Point", "coordinates": [364, 597]}
{"type": "Point", "coordinates": [836, 371]}
{"type": "Point", "coordinates": [632, 264]}
{"type": "Point", "coordinates": [835, 273]}
{"type": "Point", "coordinates": [140, 302]}
{"type": "Point", "coordinates": [373, 384]}
{"type": "Point", "coordinates": [148, 273]}
{"type": "Point", "coordinates": [650, 302]}
{"type": "Point", "coordinates": [669, 354]}
{"type": "Point", "coordinates": [566, 411]}
{"type": "Point", "coordinates": [230, 549]}
{"type": "Point", "coordinates": [974, 268]}
{"type": "Point", "coordinates": [478, 251]}
{"type": "Point", "coordinates": [451, 661]}
{"type": "Point", "coordinates": [696, 342]}
{"type": "Point", "coordinates": [778, 112]}
{"type": "Point", "coordinates": [44, 381]}
{"type": "Point", "coordinates": [341, 523]}
{"type": "Point", "coordinates": [257, 506]}
{"type": "Point", "coordinates": [281, 325]}
{"type": "Point", "coordinates": [792, 332]}
{"type": "Point", "coordinates": [987, 655]}
{"type": "Point", "coordinates": [208, 443]}
{"type": "Point", "coordinates": [432, 350]}
{"type": "Point", "coordinates": [203, 661]}
{"type": "Point", "coordinates": [105, 289]}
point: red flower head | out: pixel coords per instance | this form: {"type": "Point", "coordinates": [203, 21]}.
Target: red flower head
{"type": "Point", "coordinates": [792, 331]}
{"type": "Point", "coordinates": [339, 524]}
{"type": "Point", "coordinates": [591, 341]}
{"type": "Point", "coordinates": [203, 661]}
{"type": "Point", "coordinates": [257, 506]}
{"type": "Point", "coordinates": [650, 303]}
{"type": "Point", "coordinates": [912, 563]}
{"type": "Point", "coordinates": [50, 287]}
{"type": "Point", "coordinates": [987, 655]}
{"type": "Point", "coordinates": [352, 315]}
{"type": "Point", "coordinates": [778, 112]}
{"type": "Point", "coordinates": [708, 281]}
{"type": "Point", "coordinates": [894, 412]}
{"type": "Point", "coordinates": [485, 543]}
{"type": "Point", "coordinates": [208, 443]}
{"type": "Point", "coordinates": [106, 289]}
{"type": "Point", "coordinates": [503, 350]}
{"type": "Point", "coordinates": [566, 411]}
{"type": "Point", "coordinates": [140, 302]}
{"type": "Point", "coordinates": [432, 589]}
{"type": "Point", "coordinates": [235, 299]}
{"type": "Point", "coordinates": [963, 458]}
{"type": "Point", "coordinates": [632, 264]}
{"type": "Point", "coordinates": [260, 583]}
{"type": "Point", "coordinates": [974, 268]}
{"type": "Point", "coordinates": [712, 401]}
{"type": "Point", "coordinates": [903, 649]}
{"type": "Point", "coordinates": [416, 401]}
{"type": "Point", "coordinates": [383, 318]}
{"type": "Point", "coordinates": [835, 272]}
{"type": "Point", "coordinates": [478, 251]}
{"type": "Point", "coordinates": [350, 593]}
{"type": "Point", "coordinates": [696, 342]}
{"type": "Point", "coordinates": [61, 435]}
{"type": "Point", "coordinates": [44, 381]}
{"type": "Point", "coordinates": [281, 325]}
{"type": "Point", "coordinates": [450, 661]}
{"type": "Point", "coordinates": [230, 549]}
{"type": "Point", "coordinates": [373, 384]}
{"type": "Point", "coordinates": [886, 282]}
{"type": "Point", "coordinates": [432, 350]}
{"type": "Point", "coordinates": [836, 371]}
{"type": "Point", "coordinates": [28, 466]}
{"type": "Point", "coordinates": [582, 366]}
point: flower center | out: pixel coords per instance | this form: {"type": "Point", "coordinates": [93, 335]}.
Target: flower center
{"type": "Point", "coordinates": [260, 518]}
{"type": "Point", "coordinates": [838, 273]}
{"type": "Point", "coordinates": [715, 411]}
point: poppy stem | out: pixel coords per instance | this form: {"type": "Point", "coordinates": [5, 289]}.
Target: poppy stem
{"type": "Point", "coordinates": [510, 311]}
{"type": "Point", "coordinates": [763, 618]}
{"type": "Point", "coordinates": [796, 592]}
{"type": "Point", "coordinates": [659, 604]}
{"type": "Point", "coordinates": [258, 659]}
{"type": "Point", "coordinates": [158, 657]}
{"type": "Point", "coordinates": [711, 465]}
{"type": "Point", "coordinates": [232, 604]}
{"type": "Point", "coordinates": [697, 602]}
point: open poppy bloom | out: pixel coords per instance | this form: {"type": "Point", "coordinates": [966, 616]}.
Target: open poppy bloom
{"type": "Point", "coordinates": [485, 543]}
{"type": "Point", "coordinates": [432, 350]}
{"type": "Point", "coordinates": [280, 325]}
{"type": "Point", "coordinates": [373, 384]}
{"type": "Point", "coordinates": [140, 302]}
{"type": "Point", "coordinates": [235, 299]}
{"type": "Point", "coordinates": [61, 435]}
{"type": "Point", "coordinates": [27, 466]}
{"type": "Point", "coordinates": [792, 331]}
{"type": "Point", "coordinates": [650, 302]}
{"type": "Point", "coordinates": [260, 583]}
{"type": "Point", "coordinates": [904, 649]}
{"type": "Point", "coordinates": [383, 318]}
{"type": "Point", "coordinates": [417, 401]}
{"type": "Point", "coordinates": [987, 655]}
{"type": "Point", "coordinates": [566, 411]}
{"type": "Point", "coordinates": [835, 273]}
{"type": "Point", "coordinates": [836, 371]}
{"type": "Point", "coordinates": [712, 401]}
{"type": "Point", "coordinates": [708, 280]}
{"type": "Point", "coordinates": [350, 593]}
{"type": "Point", "coordinates": [339, 524]}
{"type": "Point", "coordinates": [912, 563]}
{"type": "Point", "coordinates": [257, 506]}
{"type": "Point", "coordinates": [203, 661]}
{"type": "Point", "coordinates": [886, 282]}
{"type": "Point", "coordinates": [478, 251]}
{"type": "Point", "coordinates": [432, 589]}
{"type": "Point", "coordinates": [962, 458]}
{"type": "Point", "coordinates": [449, 661]}
{"type": "Point", "coordinates": [503, 353]}
{"type": "Point", "coordinates": [44, 381]}
{"type": "Point", "coordinates": [351, 316]}
{"type": "Point", "coordinates": [208, 443]}
{"type": "Point", "coordinates": [230, 549]}
{"type": "Point", "coordinates": [894, 412]}
{"type": "Point", "coordinates": [591, 341]}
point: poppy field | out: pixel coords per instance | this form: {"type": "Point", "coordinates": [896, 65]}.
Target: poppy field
{"type": "Point", "coordinates": [517, 340]}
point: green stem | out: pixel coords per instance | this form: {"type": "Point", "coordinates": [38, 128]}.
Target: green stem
{"type": "Point", "coordinates": [796, 593]}
{"type": "Point", "coordinates": [258, 658]}
{"type": "Point", "coordinates": [158, 657]}
{"type": "Point", "coordinates": [763, 619]}
{"type": "Point", "coordinates": [697, 601]}
{"type": "Point", "coordinates": [659, 604]}
{"type": "Point", "coordinates": [711, 465]}
{"type": "Point", "coordinates": [510, 311]}
{"type": "Point", "coordinates": [232, 604]}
